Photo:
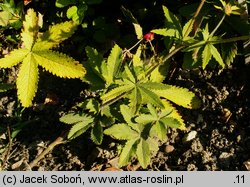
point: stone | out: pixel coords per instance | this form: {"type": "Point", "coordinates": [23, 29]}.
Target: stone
{"type": "Point", "coordinates": [190, 136]}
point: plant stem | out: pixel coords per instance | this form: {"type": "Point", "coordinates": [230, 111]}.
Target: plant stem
{"type": "Point", "coordinates": [172, 53]}
{"type": "Point", "coordinates": [7, 152]}
{"type": "Point", "coordinates": [134, 45]}
{"type": "Point", "coordinates": [57, 141]}
{"type": "Point", "coordinates": [194, 18]}
{"type": "Point", "coordinates": [152, 48]}
{"type": "Point", "coordinates": [113, 100]}
{"type": "Point", "coordinates": [219, 24]}
{"type": "Point", "coordinates": [219, 41]}
{"type": "Point", "coordinates": [164, 59]}
{"type": "Point", "coordinates": [234, 39]}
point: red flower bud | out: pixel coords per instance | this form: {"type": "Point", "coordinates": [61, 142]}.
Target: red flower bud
{"type": "Point", "coordinates": [26, 2]}
{"type": "Point", "coordinates": [149, 36]}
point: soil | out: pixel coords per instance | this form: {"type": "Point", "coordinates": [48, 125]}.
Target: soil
{"type": "Point", "coordinates": [217, 137]}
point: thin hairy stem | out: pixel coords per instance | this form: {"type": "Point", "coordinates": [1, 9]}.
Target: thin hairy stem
{"type": "Point", "coordinates": [164, 59]}
{"type": "Point", "coordinates": [57, 141]}
{"type": "Point", "coordinates": [234, 39]}
{"type": "Point", "coordinates": [218, 25]}
{"type": "Point", "coordinates": [194, 18]}
{"type": "Point", "coordinates": [135, 45]}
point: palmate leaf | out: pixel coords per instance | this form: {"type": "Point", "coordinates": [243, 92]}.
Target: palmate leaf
{"type": "Point", "coordinates": [138, 31]}
{"type": "Point", "coordinates": [121, 132]}
{"type": "Point", "coordinates": [172, 22]}
{"type": "Point", "coordinates": [174, 114]}
{"type": "Point", "coordinates": [72, 118]}
{"type": "Point", "coordinates": [205, 33]}
{"type": "Point", "coordinates": [153, 146]}
{"type": "Point", "coordinates": [81, 123]}
{"type": "Point", "coordinates": [116, 92]}
{"type": "Point", "coordinates": [97, 134]}
{"type": "Point", "coordinates": [13, 58]}
{"type": "Point", "coordinates": [217, 55]}
{"type": "Point", "coordinates": [143, 153]}
{"type": "Point", "coordinates": [128, 15]}
{"type": "Point", "coordinates": [96, 69]}
{"type": "Point", "coordinates": [170, 122]}
{"type": "Point", "coordinates": [135, 99]}
{"type": "Point", "coordinates": [96, 61]}
{"type": "Point", "coordinates": [165, 32]}
{"type": "Point", "coordinates": [180, 96]}
{"type": "Point", "coordinates": [148, 118]}
{"type": "Point", "coordinates": [27, 80]}
{"type": "Point", "coordinates": [95, 82]}
{"type": "Point", "coordinates": [59, 64]}
{"type": "Point", "coordinates": [30, 29]}
{"type": "Point", "coordinates": [36, 53]}
{"type": "Point", "coordinates": [113, 63]}
{"type": "Point", "coordinates": [130, 74]}
{"type": "Point", "coordinates": [137, 57]}
{"type": "Point", "coordinates": [126, 113]}
{"type": "Point", "coordinates": [160, 130]}
{"type": "Point", "coordinates": [55, 35]}
{"type": "Point", "coordinates": [153, 111]}
{"type": "Point", "coordinates": [78, 129]}
{"type": "Point", "coordinates": [229, 52]}
{"type": "Point", "coordinates": [92, 105]}
{"type": "Point", "coordinates": [187, 29]}
{"type": "Point", "coordinates": [150, 97]}
{"type": "Point", "coordinates": [127, 152]}
{"type": "Point", "coordinates": [77, 13]}
{"type": "Point", "coordinates": [4, 18]}
{"type": "Point", "coordinates": [159, 74]}
{"type": "Point", "coordinates": [206, 56]}
{"type": "Point", "coordinates": [145, 119]}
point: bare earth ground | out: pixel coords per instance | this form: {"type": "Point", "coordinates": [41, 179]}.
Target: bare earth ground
{"type": "Point", "coordinates": [218, 133]}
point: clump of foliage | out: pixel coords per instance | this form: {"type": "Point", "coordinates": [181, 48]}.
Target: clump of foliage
{"type": "Point", "coordinates": [11, 13]}
{"type": "Point", "coordinates": [77, 8]}
{"type": "Point", "coordinates": [36, 52]}
{"type": "Point", "coordinates": [199, 44]}
{"type": "Point", "coordinates": [135, 105]}
{"type": "Point", "coordinates": [132, 100]}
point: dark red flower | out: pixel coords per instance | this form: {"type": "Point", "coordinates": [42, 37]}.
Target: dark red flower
{"type": "Point", "coordinates": [149, 36]}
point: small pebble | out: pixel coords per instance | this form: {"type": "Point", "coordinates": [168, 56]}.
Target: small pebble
{"type": "Point", "coordinates": [224, 155]}
{"type": "Point", "coordinates": [247, 165]}
{"type": "Point", "coordinates": [190, 136]}
{"type": "Point", "coordinates": [209, 97]}
{"type": "Point", "coordinates": [238, 139]}
{"type": "Point", "coordinates": [169, 148]}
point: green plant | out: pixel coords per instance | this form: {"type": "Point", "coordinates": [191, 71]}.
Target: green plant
{"type": "Point", "coordinates": [11, 13]}
{"type": "Point", "coordinates": [133, 95]}
{"type": "Point", "coordinates": [199, 43]}
{"type": "Point", "coordinates": [77, 8]}
{"type": "Point", "coordinates": [131, 100]}
{"type": "Point", "coordinates": [36, 51]}
{"type": "Point", "coordinates": [135, 105]}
